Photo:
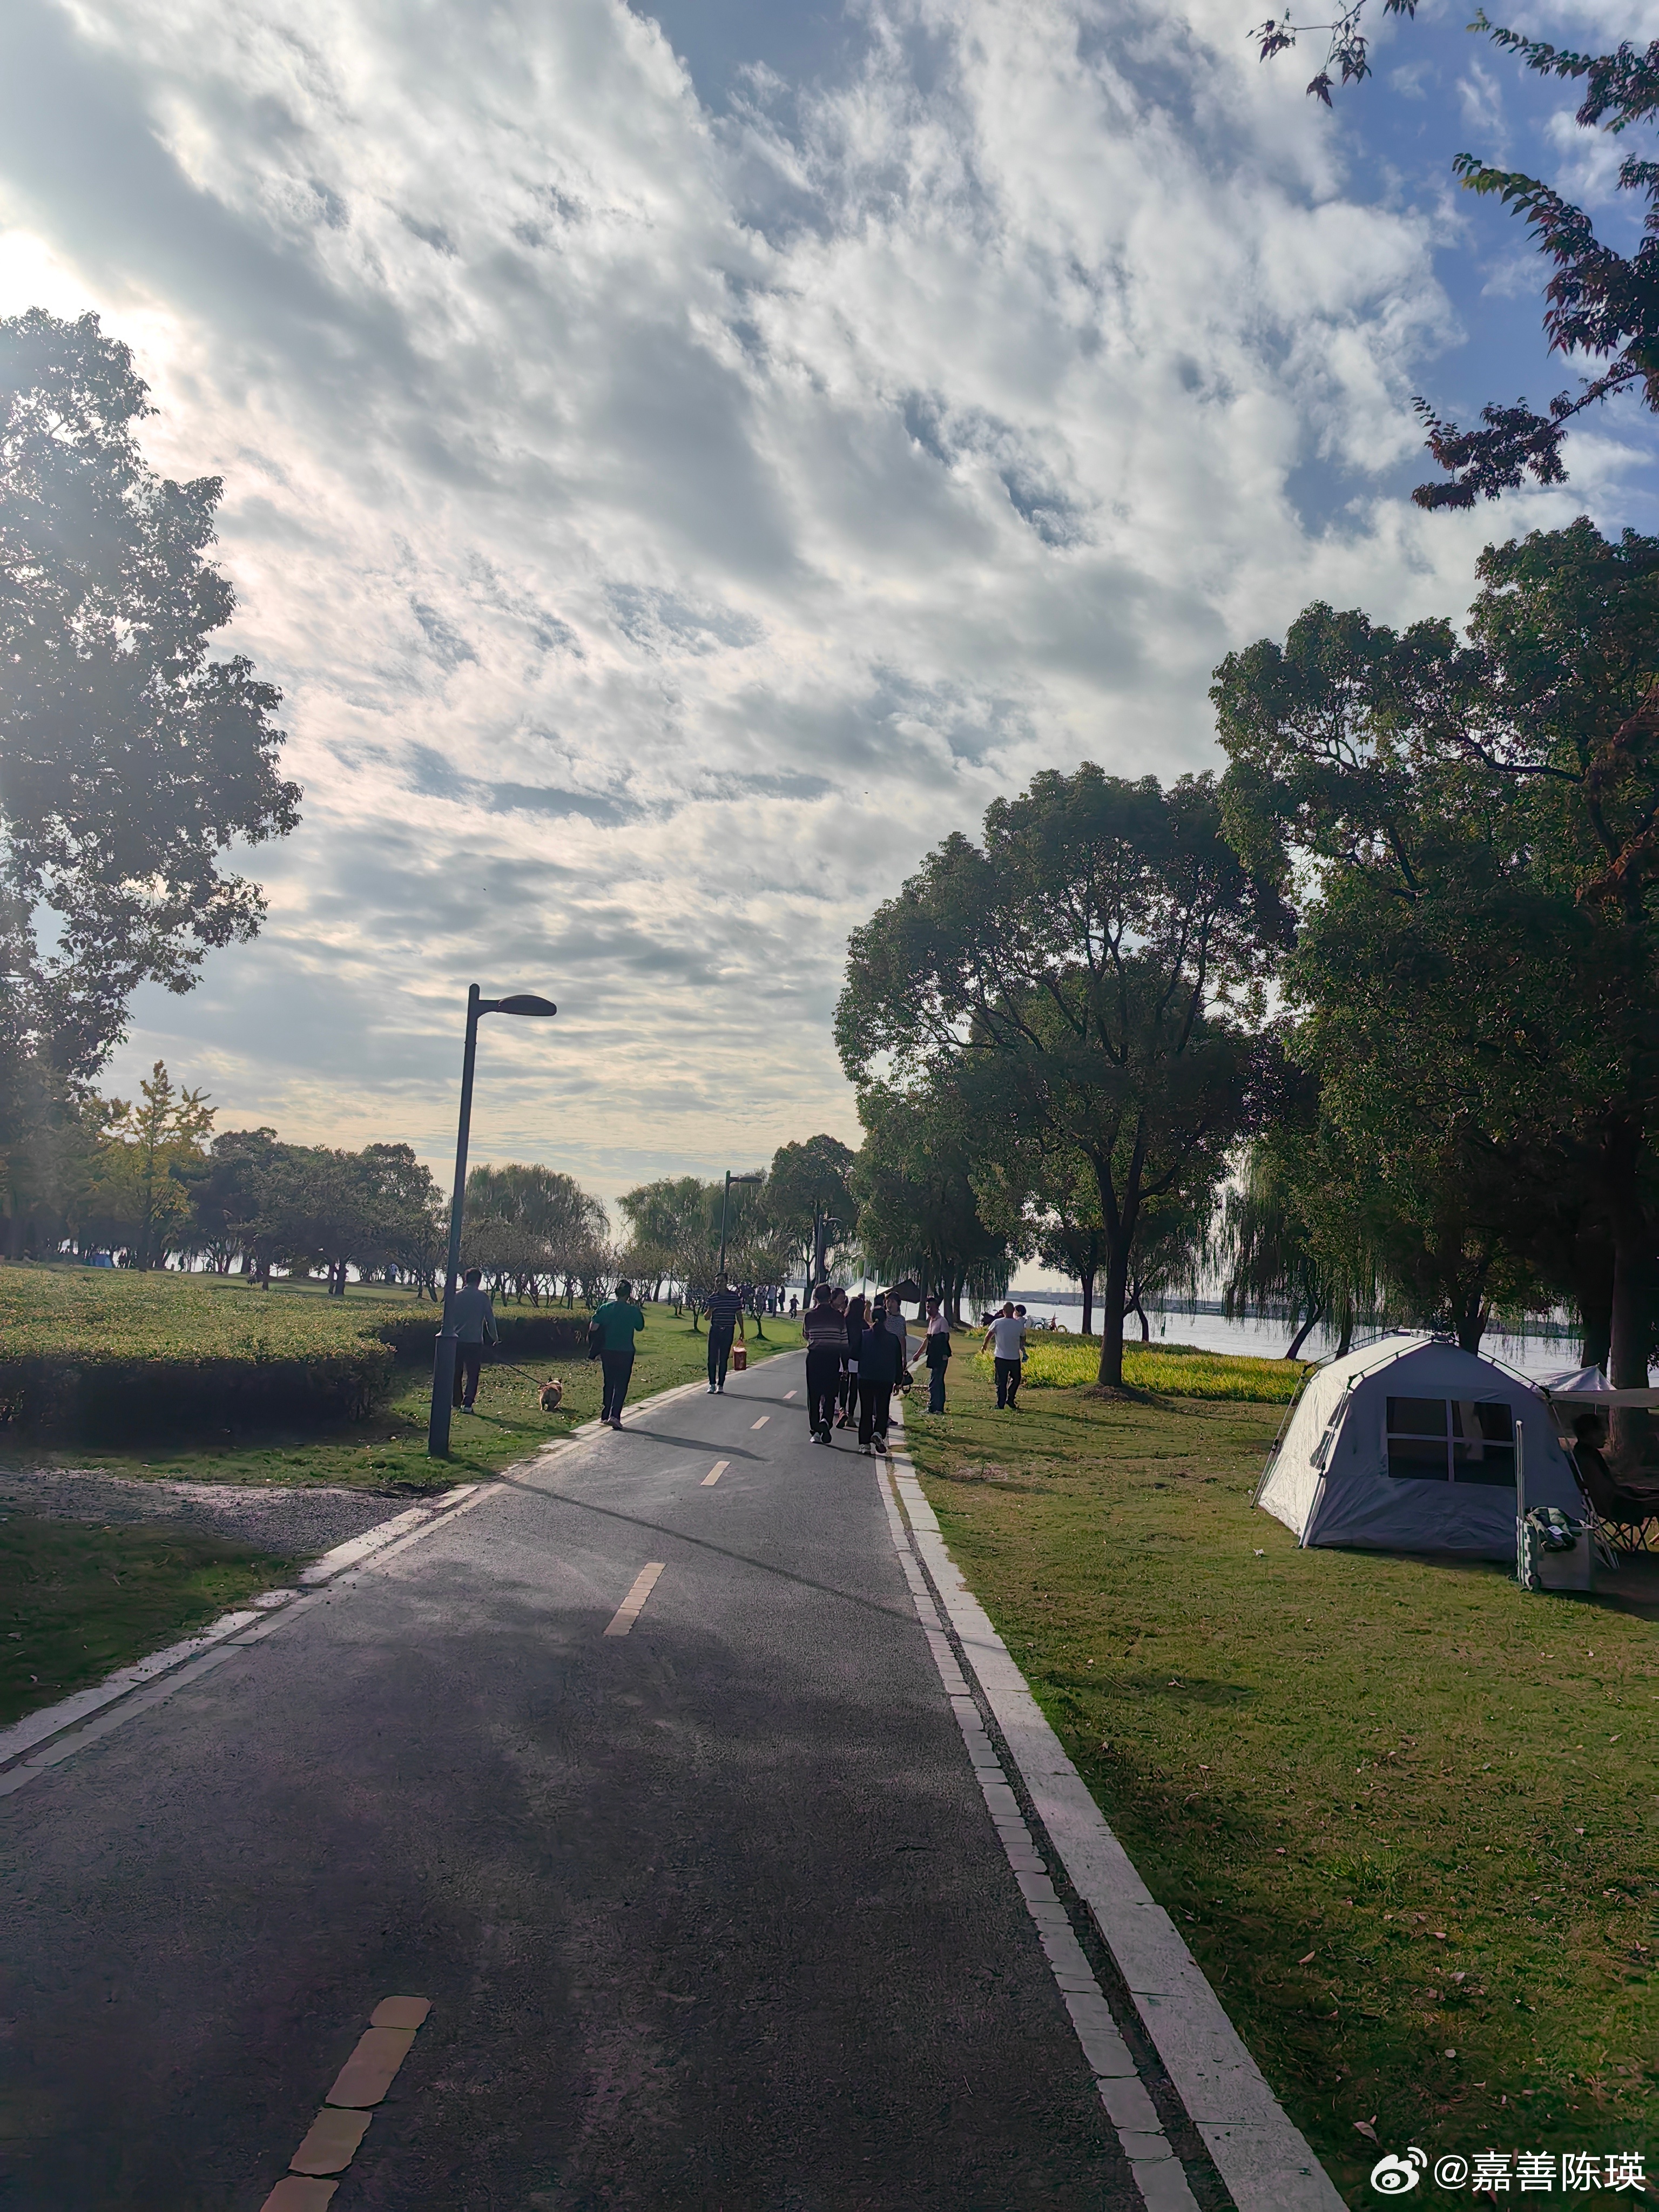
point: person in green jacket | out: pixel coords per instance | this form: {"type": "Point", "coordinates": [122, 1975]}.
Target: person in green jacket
{"type": "Point", "coordinates": [619, 1322]}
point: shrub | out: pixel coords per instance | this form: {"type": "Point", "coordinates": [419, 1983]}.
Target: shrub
{"type": "Point", "coordinates": [102, 1353]}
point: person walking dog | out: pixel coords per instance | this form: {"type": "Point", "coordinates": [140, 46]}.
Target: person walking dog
{"type": "Point", "coordinates": [825, 1333]}
{"type": "Point", "coordinates": [880, 1369]}
{"type": "Point", "coordinates": [619, 1322]}
{"type": "Point", "coordinates": [475, 1327]}
{"type": "Point", "coordinates": [724, 1314]}
{"type": "Point", "coordinates": [936, 1347]}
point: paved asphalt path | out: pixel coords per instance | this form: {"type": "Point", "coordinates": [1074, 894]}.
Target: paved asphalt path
{"type": "Point", "coordinates": [711, 1915]}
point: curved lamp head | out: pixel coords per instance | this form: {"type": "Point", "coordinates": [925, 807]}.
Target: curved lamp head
{"type": "Point", "coordinates": [522, 1002]}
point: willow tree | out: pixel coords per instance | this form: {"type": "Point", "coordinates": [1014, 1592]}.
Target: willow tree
{"type": "Point", "coordinates": [1086, 978]}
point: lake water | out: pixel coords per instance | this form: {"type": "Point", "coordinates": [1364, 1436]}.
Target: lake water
{"type": "Point", "coordinates": [1270, 1339]}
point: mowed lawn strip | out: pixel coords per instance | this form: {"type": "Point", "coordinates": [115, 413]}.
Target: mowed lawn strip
{"type": "Point", "coordinates": [387, 1452]}
{"type": "Point", "coordinates": [1405, 1814]}
{"type": "Point", "coordinates": [77, 1601]}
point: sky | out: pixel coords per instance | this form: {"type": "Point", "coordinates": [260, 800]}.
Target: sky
{"type": "Point", "coordinates": [680, 466]}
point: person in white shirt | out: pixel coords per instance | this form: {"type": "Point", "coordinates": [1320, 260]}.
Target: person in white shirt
{"type": "Point", "coordinates": [1006, 1340]}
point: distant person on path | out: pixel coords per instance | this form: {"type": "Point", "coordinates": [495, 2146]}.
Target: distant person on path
{"type": "Point", "coordinates": [475, 1327]}
{"type": "Point", "coordinates": [619, 1322]}
{"type": "Point", "coordinates": [1006, 1340]}
{"type": "Point", "coordinates": [854, 1313]}
{"type": "Point", "coordinates": [825, 1333]}
{"type": "Point", "coordinates": [879, 1370]}
{"type": "Point", "coordinates": [725, 1315]}
{"type": "Point", "coordinates": [937, 1347]}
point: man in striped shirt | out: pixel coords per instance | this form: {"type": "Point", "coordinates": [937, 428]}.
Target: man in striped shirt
{"type": "Point", "coordinates": [724, 1314]}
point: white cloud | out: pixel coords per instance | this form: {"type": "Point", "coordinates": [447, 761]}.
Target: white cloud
{"type": "Point", "coordinates": [666, 529]}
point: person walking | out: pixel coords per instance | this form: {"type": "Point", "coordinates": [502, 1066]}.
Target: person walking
{"type": "Point", "coordinates": [853, 1313]}
{"type": "Point", "coordinates": [936, 1347]}
{"type": "Point", "coordinates": [475, 1327]}
{"type": "Point", "coordinates": [898, 1328]}
{"type": "Point", "coordinates": [878, 1372]}
{"type": "Point", "coordinates": [724, 1317]}
{"type": "Point", "coordinates": [619, 1320]}
{"type": "Point", "coordinates": [1006, 1340]}
{"type": "Point", "coordinates": [825, 1333]}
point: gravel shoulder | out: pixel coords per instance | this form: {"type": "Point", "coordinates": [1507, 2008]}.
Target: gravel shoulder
{"type": "Point", "coordinates": [298, 1523]}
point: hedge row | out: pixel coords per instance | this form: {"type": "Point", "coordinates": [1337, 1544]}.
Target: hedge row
{"type": "Point", "coordinates": [524, 1335]}
{"type": "Point", "coordinates": [113, 1400]}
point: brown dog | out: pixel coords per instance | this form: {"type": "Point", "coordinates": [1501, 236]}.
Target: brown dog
{"type": "Point", "coordinates": [552, 1396]}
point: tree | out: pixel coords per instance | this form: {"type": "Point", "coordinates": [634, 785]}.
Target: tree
{"type": "Point", "coordinates": [1087, 979]}
{"type": "Point", "coordinates": [919, 1211]}
{"type": "Point", "coordinates": [535, 1221]}
{"type": "Point", "coordinates": [675, 1230]}
{"type": "Point", "coordinates": [1479, 956]}
{"type": "Point", "coordinates": [806, 1183]}
{"type": "Point", "coordinates": [130, 761]}
{"type": "Point", "coordinates": [1603, 306]}
{"type": "Point", "coordinates": [135, 1195]}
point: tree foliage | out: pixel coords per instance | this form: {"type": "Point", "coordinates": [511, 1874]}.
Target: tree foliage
{"type": "Point", "coordinates": [1602, 306]}
{"type": "Point", "coordinates": [1085, 980]}
{"type": "Point", "coordinates": [1478, 969]}
{"type": "Point", "coordinates": [130, 761]}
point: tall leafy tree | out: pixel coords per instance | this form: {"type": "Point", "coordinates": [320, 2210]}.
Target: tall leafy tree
{"type": "Point", "coordinates": [806, 1182]}
{"type": "Point", "coordinates": [920, 1212]}
{"type": "Point", "coordinates": [1479, 966]}
{"type": "Point", "coordinates": [132, 759]}
{"type": "Point", "coordinates": [1087, 979]}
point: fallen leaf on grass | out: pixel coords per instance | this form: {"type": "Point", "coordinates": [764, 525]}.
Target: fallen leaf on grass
{"type": "Point", "coordinates": [1462, 1977]}
{"type": "Point", "coordinates": [1366, 2130]}
{"type": "Point", "coordinates": [1308, 1960]}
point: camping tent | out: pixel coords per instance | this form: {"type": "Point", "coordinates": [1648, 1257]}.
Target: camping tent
{"type": "Point", "coordinates": [1409, 1446]}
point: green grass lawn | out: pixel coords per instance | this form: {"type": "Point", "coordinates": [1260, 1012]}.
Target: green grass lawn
{"type": "Point", "coordinates": [76, 1602]}
{"type": "Point", "coordinates": [388, 1451]}
{"type": "Point", "coordinates": [1405, 1814]}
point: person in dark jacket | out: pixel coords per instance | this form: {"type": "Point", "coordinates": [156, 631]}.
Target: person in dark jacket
{"type": "Point", "coordinates": [879, 1368]}
{"type": "Point", "coordinates": [937, 1346]}
{"type": "Point", "coordinates": [824, 1334]}
{"type": "Point", "coordinates": [857, 1320]}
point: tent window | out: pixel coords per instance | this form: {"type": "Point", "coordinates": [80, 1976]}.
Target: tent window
{"type": "Point", "coordinates": [1417, 1438]}
{"type": "Point", "coordinates": [1483, 1447]}
{"type": "Point", "coordinates": [1452, 1440]}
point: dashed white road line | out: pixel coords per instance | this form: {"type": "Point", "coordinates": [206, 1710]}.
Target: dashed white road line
{"type": "Point", "coordinates": [629, 1610]}
{"type": "Point", "coordinates": [761, 1423]}
{"type": "Point", "coordinates": [715, 1472]}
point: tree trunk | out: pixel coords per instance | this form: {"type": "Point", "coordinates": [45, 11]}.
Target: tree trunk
{"type": "Point", "coordinates": [1592, 1270]}
{"type": "Point", "coordinates": [1304, 1333]}
{"type": "Point", "coordinates": [1087, 1279]}
{"type": "Point", "coordinates": [1472, 1323]}
{"type": "Point", "coordinates": [1113, 1307]}
{"type": "Point", "coordinates": [1345, 1342]}
{"type": "Point", "coordinates": [1145, 1326]}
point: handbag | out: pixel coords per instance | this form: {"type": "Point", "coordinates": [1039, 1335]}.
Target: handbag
{"type": "Point", "coordinates": [595, 1339]}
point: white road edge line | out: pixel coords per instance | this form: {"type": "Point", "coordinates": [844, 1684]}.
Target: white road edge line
{"type": "Point", "coordinates": [1262, 2156]}
{"type": "Point", "coordinates": [1156, 2171]}
{"type": "Point", "coordinates": [634, 1604]}
{"type": "Point", "coordinates": [29, 1747]}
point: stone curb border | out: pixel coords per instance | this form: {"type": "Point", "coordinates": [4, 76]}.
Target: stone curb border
{"type": "Point", "coordinates": [1266, 2162]}
{"type": "Point", "coordinates": [45, 1738]}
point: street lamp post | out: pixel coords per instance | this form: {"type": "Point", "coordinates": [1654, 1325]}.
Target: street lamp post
{"type": "Point", "coordinates": [443, 1362]}
{"type": "Point", "coordinates": [725, 1201]}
